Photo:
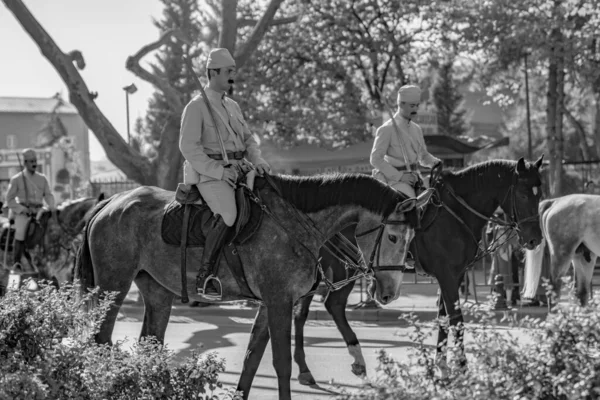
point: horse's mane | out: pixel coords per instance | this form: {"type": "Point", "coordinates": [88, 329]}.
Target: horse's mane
{"type": "Point", "coordinates": [480, 176]}
{"type": "Point", "coordinates": [315, 193]}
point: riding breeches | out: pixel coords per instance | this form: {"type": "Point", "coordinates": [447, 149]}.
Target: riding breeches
{"type": "Point", "coordinates": [21, 221]}
{"type": "Point", "coordinates": [399, 186]}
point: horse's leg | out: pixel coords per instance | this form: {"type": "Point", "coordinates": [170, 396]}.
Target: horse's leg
{"type": "Point", "coordinates": [448, 304]}
{"type": "Point", "coordinates": [259, 337]}
{"type": "Point", "coordinates": [300, 316]}
{"type": "Point", "coordinates": [336, 306]}
{"type": "Point", "coordinates": [442, 337]}
{"type": "Point", "coordinates": [584, 271]}
{"type": "Point", "coordinates": [110, 284]}
{"type": "Point", "coordinates": [157, 306]}
{"type": "Point", "coordinates": [280, 329]}
{"type": "Point", "coordinates": [560, 260]}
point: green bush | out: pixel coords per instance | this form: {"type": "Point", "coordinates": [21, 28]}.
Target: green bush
{"type": "Point", "coordinates": [47, 352]}
{"type": "Point", "coordinates": [556, 358]}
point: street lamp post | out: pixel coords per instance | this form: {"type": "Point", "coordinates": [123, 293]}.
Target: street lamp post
{"type": "Point", "coordinates": [130, 89]}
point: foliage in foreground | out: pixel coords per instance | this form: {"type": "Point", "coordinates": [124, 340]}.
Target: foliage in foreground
{"type": "Point", "coordinates": [47, 352]}
{"type": "Point", "coordinates": [556, 358]}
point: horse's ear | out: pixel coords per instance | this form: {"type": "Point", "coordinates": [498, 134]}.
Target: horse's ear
{"type": "Point", "coordinates": [521, 165]}
{"type": "Point", "coordinates": [538, 163]}
{"type": "Point", "coordinates": [406, 205]}
{"type": "Point", "coordinates": [101, 197]}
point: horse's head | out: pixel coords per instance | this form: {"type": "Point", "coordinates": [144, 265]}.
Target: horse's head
{"type": "Point", "coordinates": [60, 237]}
{"type": "Point", "coordinates": [522, 202]}
{"type": "Point", "coordinates": [387, 244]}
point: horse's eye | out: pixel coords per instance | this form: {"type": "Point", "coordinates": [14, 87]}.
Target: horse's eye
{"type": "Point", "coordinates": [393, 238]}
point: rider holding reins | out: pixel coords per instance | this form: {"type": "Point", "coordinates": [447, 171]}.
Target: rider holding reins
{"type": "Point", "coordinates": [26, 193]}
{"type": "Point", "coordinates": [217, 144]}
{"type": "Point", "coordinates": [399, 146]}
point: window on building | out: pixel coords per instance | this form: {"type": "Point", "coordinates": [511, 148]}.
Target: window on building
{"type": "Point", "coordinates": [11, 141]}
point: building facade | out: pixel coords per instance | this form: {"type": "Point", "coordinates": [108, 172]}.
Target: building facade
{"type": "Point", "coordinates": [57, 133]}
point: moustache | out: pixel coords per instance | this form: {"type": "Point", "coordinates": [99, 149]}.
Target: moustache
{"type": "Point", "coordinates": [231, 81]}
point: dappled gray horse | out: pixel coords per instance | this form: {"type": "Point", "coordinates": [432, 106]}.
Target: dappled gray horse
{"type": "Point", "coordinates": [123, 244]}
{"type": "Point", "coordinates": [571, 229]}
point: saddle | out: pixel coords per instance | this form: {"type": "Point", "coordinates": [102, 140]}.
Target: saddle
{"type": "Point", "coordinates": [186, 221]}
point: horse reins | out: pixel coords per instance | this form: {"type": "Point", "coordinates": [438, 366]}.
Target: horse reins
{"type": "Point", "coordinates": [309, 226]}
{"type": "Point", "coordinates": [514, 224]}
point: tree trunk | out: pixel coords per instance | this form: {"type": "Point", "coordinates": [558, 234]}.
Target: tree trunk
{"type": "Point", "coordinates": [597, 123]}
{"type": "Point", "coordinates": [228, 32]}
{"type": "Point", "coordinates": [132, 163]}
{"type": "Point", "coordinates": [585, 149]}
{"type": "Point", "coordinates": [553, 127]}
{"type": "Point", "coordinates": [246, 50]}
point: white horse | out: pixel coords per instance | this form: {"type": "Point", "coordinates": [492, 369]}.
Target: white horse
{"type": "Point", "coordinates": [571, 229]}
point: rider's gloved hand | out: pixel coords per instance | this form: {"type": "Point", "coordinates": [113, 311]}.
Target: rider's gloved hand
{"type": "Point", "coordinates": [262, 169]}
{"type": "Point", "coordinates": [230, 175]}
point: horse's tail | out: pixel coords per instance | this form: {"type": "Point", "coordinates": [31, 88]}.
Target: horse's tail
{"type": "Point", "coordinates": [534, 258]}
{"type": "Point", "coordinates": [84, 268]}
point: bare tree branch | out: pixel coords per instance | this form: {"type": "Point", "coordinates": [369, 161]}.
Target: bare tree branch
{"type": "Point", "coordinates": [257, 34]}
{"type": "Point", "coordinates": [135, 166]}
{"type": "Point", "coordinates": [242, 23]}
{"type": "Point", "coordinates": [133, 65]}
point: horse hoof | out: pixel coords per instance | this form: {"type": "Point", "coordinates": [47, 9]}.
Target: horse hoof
{"type": "Point", "coordinates": [306, 378]}
{"type": "Point", "coordinates": [359, 369]}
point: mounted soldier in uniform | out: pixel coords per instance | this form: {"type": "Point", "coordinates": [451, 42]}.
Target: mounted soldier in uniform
{"type": "Point", "coordinates": [218, 146]}
{"type": "Point", "coordinates": [25, 196]}
{"type": "Point", "coordinates": [399, 147]}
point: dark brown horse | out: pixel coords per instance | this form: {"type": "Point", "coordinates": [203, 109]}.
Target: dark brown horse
{"type": "Point", "coordinates": [123, 244]}
{"type": "Point", "coordinates": [54, 239]}
{"type": "Point", "coordinates": [446, 244]}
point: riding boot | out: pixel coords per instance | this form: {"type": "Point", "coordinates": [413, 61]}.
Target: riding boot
{"type": "Point", "coordinates": [18, 251]}
{"type": "Point", "coordinates": [206, 283]}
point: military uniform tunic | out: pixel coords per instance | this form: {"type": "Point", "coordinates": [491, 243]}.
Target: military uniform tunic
{"type": "Point", "coordinates": [19, 200]}
{"type": "Point", "coordinates": [198, 140]}
{"type": "Point", "coordinates": [387, 157]}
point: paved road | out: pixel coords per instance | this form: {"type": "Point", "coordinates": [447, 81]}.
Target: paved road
{"type": "Point", "coordinates": [326, 352]}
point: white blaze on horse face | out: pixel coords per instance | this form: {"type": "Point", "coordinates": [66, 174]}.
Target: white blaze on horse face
{"type": "Point", "coordinates": [535, 190]}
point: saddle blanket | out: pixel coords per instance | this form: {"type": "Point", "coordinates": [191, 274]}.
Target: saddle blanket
{"type": "Point", "coordinates": [249, 219]}
{"type": "Point", "coordinates": [173, 219]}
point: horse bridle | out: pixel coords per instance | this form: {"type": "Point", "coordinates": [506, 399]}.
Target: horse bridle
{"type": "Point", "coordinates": [309, 225]}
{"type": "Point", "coordinates": [514, 223]}
{"type": "Point", "coordinates": [371, 269]}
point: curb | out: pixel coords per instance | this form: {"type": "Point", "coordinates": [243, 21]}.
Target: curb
{"type": "Point", "coordinates": [365, 315]}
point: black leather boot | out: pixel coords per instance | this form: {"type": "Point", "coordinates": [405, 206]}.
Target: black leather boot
{"type": "Point", "coordinates": [18, 251]}
{"type": "Point", "coordinates": [208, 284]}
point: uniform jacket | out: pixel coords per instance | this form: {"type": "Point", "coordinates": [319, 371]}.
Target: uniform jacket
{"type": "Point", "coordinates": [38, 190]}
{"type": "Point", "coordinates": [198, 136]}
{"type": "Point", "coordinates": [387, 150]}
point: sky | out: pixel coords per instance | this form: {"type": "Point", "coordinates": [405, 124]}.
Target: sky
{"type": "Point", "coordinates": [106, 32]}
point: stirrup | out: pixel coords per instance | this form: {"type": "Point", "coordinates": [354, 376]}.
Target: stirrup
{"type": "Point", "coordinates": [202, 291]}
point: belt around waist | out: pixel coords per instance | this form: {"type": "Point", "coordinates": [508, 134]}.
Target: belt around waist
{"type": "Point", "coordinates": [413, 167]}
{"type": "Point", "coordinates": [236, 155]}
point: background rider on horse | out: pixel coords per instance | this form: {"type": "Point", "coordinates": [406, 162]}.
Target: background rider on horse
{"type": "Point", "coordinates": [217, 145]}
{"type": "Point", "coordinates": [399, 148]}
{"type": "Point", "coordinates": [26, 193]}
